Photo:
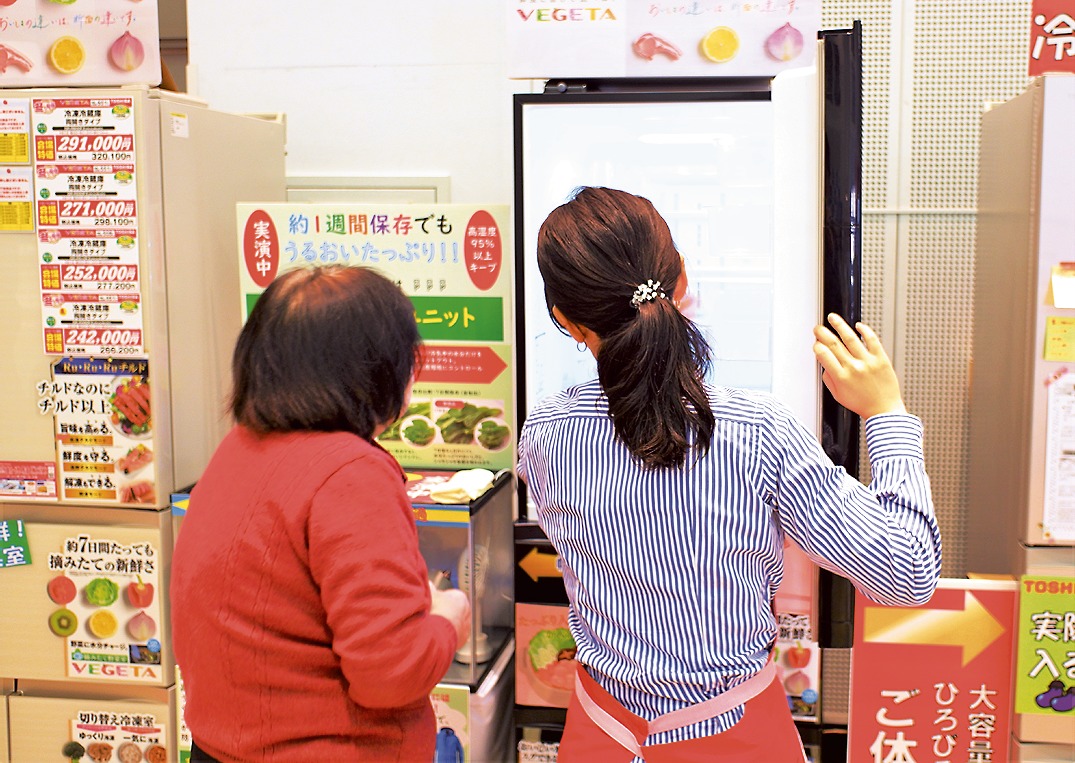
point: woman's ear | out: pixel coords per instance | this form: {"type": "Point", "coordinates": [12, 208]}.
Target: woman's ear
{"type": "Point", "coordinates": [577, 332]}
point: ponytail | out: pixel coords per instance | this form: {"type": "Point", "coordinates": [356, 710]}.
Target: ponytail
{"type": "Point", "coordinates": [651, 372]}
{"type": "Point", "coordinates": [596, 254]}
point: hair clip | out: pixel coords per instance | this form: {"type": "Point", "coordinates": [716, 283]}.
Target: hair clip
{"type": "Point", "coordinates": [647, 292]}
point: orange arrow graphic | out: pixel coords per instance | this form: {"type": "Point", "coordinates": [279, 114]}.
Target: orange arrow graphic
{"type": "Point", "coordinates": [973, 628]}
{"type": "Point", "coordinates": [539, 565]}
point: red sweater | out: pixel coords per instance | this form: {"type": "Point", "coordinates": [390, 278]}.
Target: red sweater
{"type": "Point", "coordinates": [300, 605]}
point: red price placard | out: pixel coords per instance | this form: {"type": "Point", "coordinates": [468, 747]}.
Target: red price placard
{"type": "Point", "coordinates": [934, 682]}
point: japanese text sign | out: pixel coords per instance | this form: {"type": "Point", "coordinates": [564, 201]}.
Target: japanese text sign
{"type": "Point", "coordinates": [14, 545]}
{"type": "Point", "coordinates": [452, 261]}
{"type": "Point", "coordinates": [93, 42]}
{"type": "Point", "coordinates": [933, 683]}
{"type": "Point", "coordinates": [1045, 668]}
{"type": "Point", "coordinates": [1052, 37]}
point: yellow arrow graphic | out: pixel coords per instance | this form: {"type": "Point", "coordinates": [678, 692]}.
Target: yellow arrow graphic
{"type": "Point", "coordinates": [973, 628]}
{"type": "Point", "coordinates": [539, 565]}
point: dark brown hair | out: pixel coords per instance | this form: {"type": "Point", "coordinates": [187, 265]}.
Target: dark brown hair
{"type": "Point", "coordinates": [593, 252]}
{"type": "Point", "coordinates": [328, 348]}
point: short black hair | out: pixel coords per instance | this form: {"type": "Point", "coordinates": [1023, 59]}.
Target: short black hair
{"type": "Point", "coordinates": [329, 348]}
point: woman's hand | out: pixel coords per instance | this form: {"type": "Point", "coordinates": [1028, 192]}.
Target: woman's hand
{"type": "Point", "coordinates": [454, 606]}
{"type": "Point", "coordinates": [857, 370]}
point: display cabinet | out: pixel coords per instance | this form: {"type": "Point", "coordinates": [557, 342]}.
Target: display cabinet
{"type": "Point", "coordinates": [468, 546]}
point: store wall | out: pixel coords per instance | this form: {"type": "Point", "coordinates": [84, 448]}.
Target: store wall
{"type": "Point", "coordinates": [402, 88]}
{"type": "Point", "coordinates": [418, 88]}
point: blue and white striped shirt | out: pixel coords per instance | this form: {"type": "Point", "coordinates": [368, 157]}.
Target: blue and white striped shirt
{"type": "Point", "coordinates": [670, 572]}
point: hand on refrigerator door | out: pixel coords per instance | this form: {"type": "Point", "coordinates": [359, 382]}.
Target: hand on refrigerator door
{"type": "Point", "coordinates": [454, 606]}
{"type": "Point", "coordinates": [857, 370]}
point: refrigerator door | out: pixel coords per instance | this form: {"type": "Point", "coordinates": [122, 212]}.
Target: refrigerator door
{"type": "Point", "coordinates": [210, 161]}
{"type": "Point", "coordinates": [735, 173]}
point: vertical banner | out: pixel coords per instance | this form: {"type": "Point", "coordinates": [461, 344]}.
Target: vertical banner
{"type": "Point", "coordinates": [452, 261]}
{"type": "Point", "coordinates": [104, 429]}
{"type": "Point", "coordinates": [1045, 669]}
{"type": "Point", "coordinates": [934, 683]}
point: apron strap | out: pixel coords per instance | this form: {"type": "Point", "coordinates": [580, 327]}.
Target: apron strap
{"type": "Point", "coordinates": [738, 695]}
{"type": "Point", "coordinates": [616, 730]}
{"type": "Point", "coordinates": [711, 708]}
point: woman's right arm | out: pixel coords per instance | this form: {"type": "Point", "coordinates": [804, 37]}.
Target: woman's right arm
{"type": "Point", "coordinates": [374, 587]}
{"type": "Point", "coordinates": [883, 537]}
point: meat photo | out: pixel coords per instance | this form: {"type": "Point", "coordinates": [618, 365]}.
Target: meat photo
{"type": "Point", "coordinates": [136, 458]}
{"type": "Point", "coordinates": [131, 410]}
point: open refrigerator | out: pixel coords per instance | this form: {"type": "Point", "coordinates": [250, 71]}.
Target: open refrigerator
{"type": "Point", "coordinates": [117, 222]}
{"type": "Point", "coordinates": [759, 181]}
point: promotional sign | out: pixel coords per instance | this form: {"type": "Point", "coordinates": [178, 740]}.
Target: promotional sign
{"type": "Point", "coordinates": [67, 44]}
{"type": "Point", "coordinates": [545, 665]}
{"type": "Point", "coordinates": [450, 260]}
{"type": "Point", "coordinates": [643, 38]}
{"type": "Point", "coordinates": [14, 545]}
{"type": "Point", "coordinates": [184, 740]}
{"type": "Point", "coordinates": [798, 666]}
{"type": "Point", "coordinates": [451, 705]}
{"type": "Point", "coordinates": [87, 218]}
{"type": "Point", "coordinates": [1045, 669]}
{"type": "Point", "coordinates": [108, 608]}
{"type": "Point", "coordinates": [131, 737]}
{"type": "Point", "coordinates": [933, 683]}
{"type": "Point", "coordinates": [16, 198]}
{"type": "Point", "coordinates": [104, 429]}
{"type": "Point", "coordinates": [1052, 37]}
{"type": "Point", "coordinates": [1058, 504]}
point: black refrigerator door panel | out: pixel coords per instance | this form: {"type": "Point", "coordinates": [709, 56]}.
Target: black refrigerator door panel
{"type": "Point", "coordinates": [842, 246]}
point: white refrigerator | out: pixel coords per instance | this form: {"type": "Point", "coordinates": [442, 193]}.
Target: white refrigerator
{"type": "Point", "coordinates": [759, 180]}
{"type": "Point", "coordinates": [118, 278]}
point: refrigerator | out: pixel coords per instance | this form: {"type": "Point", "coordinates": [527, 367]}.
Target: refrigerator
{"type": "Point", "coordinates": [1021, 510]}
{"type": "Point", "coordinates": [760, 183]}
{"type": "Point", "coordinates": [117, 231]}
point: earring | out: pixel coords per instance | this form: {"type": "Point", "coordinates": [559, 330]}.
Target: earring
{"type": "Point", "coordinates": [581, 346]}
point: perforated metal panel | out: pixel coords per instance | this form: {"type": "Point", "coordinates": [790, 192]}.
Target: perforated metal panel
{"type": "Point", "coordinates": [965, 54]}
{"type": "Point", "coordinates": [930, 67]}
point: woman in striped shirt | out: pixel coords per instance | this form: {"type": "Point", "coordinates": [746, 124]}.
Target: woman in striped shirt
{"type": "Point", "coordinates": [669, 501]}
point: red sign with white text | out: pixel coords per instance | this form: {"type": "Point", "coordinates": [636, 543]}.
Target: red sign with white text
{"type": "Point", "coordinates": [934, 683]}
{"type": "Point", "coordinates": [1052, 37]}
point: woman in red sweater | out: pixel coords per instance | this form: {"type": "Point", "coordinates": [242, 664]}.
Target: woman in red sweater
{"type": "Point", "coordinates": [302, 616]}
